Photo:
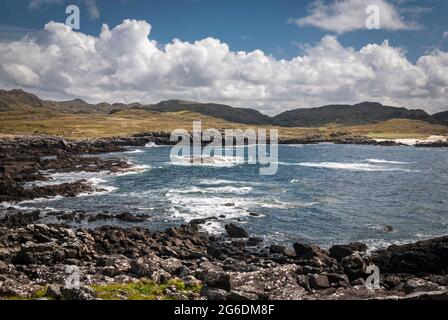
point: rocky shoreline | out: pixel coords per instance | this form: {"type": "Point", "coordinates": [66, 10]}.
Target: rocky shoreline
{"type": "Point", "coordinates": [37, 259]}
{"type": "Point", "coordinates": [189, 264]}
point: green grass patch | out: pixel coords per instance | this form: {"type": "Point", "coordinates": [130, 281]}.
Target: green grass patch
{"type": "Point", "coordinates": [144, 290]}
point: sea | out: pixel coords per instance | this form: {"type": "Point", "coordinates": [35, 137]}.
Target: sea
{"type": "Point", "coordinates": [323, 194]}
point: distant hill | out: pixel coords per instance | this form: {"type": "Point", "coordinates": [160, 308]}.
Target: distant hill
{"type": "Point", "coordinates": [228, 113]}
{"type": "Point", "coordinates": [442, 116]}
{"type": "Point", "coordinates": [20, 101]}
{"type": "Point", "coordinates": [358, 114]}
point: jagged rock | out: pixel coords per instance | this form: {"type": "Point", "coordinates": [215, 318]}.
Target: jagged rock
{"type": "Point", "coordinates": [241, 296]}
{"type": "Point", "coordinates": [3, 267]}
{"type": "Point", "coordinates": [81, 293]}
{"type": "Point", "coordinates": [113, 265]}
{"type": "Point", "coordinates": [54, 291]}
{"type": "Point", "coordinates": [214, 294]}
{"type": "Point", "coordinates": [128, 217]}
{"type": "Point", "coordinates": [217, 279]}
{"type": "Point", "coordinates": [41, 254]}
{"type": "Point", "coordinates": [306, 250]}
{"type": "Point", "coordinates": [317, 281]}
{"type": "Point", "coordinates": [264, 281]}
{"type": "Point", "coordinates": [234, 231]}
{"type": "Point", "coordinates": [20, 219]}
{"type": "Point", "coordinates": [420, 285]}
{"type": "Point", "coordinates": [430, 256]}
{"type": "Point", "coordinates": [354, 266]}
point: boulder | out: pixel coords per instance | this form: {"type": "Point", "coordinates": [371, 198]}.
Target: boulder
{"type": "Point", "coordinates": [306, 250]}
{"type": "Point", "coordinates": [420, 285]}
{"type": "Point", "coordinates": [81, 293]}
{"type": "Point", "coordinates": [236, 232]}
{"type": "Point", "coordinates": [318, 281]}
{"type": "Point", "coordinates": [429, 256]}
{"type": "Point", "coordinates": [354, 266]}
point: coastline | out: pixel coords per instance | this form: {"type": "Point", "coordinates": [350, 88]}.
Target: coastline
{"type": "Point", "coordinates": [33, 255]}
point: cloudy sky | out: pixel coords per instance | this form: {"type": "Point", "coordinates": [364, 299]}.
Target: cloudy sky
{"type": "Point", "coordinates": [271, 55]}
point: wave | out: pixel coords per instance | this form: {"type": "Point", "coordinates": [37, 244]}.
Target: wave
{"type": "Point", "coordinates": [382, 161]}
{"type": "Point", "coordinates": [134, 151]}
{"type": "Point", "coordinates": [135, 169]}
{"type": "Point", "coordinates": [214, 190]}
{"type": "Point", "coordinates": [153, 145]}
{"type": "Point", "coordinates": [277, 204]}
{"type": "Point", "coordinates": [349, 166]}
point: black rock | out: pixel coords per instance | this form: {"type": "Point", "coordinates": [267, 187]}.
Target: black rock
{"type": "Point", "coordinates": [236, 232]}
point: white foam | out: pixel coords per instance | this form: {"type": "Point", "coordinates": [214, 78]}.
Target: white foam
{"type": "Point", "coordinates": [135, 169]}
{"type": "Point", "coordinates": [213, 190]}
{"type": "Point", "coordinates": [277, 204]}
{"type": "Point", "coordinates": [386, 161]}
{"type": "Point", "coordinates": [351, 166]}
{"type": "Point", "coordinates": [153, 145]}
{"type": "Point", "coordinates": [208, 161]}
{"type": "Point", "coordinates": [134, 151]}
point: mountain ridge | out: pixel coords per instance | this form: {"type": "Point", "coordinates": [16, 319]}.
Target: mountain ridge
{"type": "Point", "coordinates": [18, 100]}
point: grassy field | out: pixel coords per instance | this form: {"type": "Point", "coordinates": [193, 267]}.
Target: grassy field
{"type": "Point", "coordinates": [129, 122]}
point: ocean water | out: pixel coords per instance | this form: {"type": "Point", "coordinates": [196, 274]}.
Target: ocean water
{"type": "Point", "coordinates": [322, 194]}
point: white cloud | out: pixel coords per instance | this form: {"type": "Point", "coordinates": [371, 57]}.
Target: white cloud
{"type": "Point", "coordinates": [445, 35]}
{"type": "Point", "coordinates": [123, 64]}
{"type": "Point", "coordinates": [342, 16]}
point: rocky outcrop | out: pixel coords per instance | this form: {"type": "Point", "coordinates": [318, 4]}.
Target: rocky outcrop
{"type": "Point", "coordinates": [430, 256]}
{"type": "Point", "coordinates": [33, 256]}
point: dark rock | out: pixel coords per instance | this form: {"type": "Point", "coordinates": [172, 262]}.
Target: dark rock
{"type": "Point", "coordinates": [307, 251]}
{"type": "Point", "coordinates": [236, 232]}
{"type": "Point", "coordinates": [420, 285]}
{"type": "Point", "coordinates": [340, 251]}
{"type": "Point", "coordinates": [241, 296]}
{"type": "Point", "coordinates": [429, 256]}
{"type": "Point", "coordinates": [81, 293]}
{"type": "Point", "coordinates": [128, 217]}
{"type": "Point", "coordinates": [214, 294]}
{"type": "Point", "coordinates": [317, 281]}
{"type": "Point", "coordinates": [354, 266]}
{"type": "Point", "coordinates": [254, 241]}
{"type": "Point", "coordinates": [54, 291]}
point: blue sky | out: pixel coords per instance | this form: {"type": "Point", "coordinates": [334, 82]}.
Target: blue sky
{"type": "Point", "coordinates": [243, 24]}
{"type": "Point", "coordinates": [271, 55]}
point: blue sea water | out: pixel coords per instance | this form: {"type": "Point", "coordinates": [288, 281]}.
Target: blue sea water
{"type": "Point", "coordinates": [322, 194]}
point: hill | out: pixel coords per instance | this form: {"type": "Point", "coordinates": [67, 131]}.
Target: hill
{"type": "Point", "coordinates": [345, 115]}
{"type": "Point", "coordinates": [358, 114]}
{"type": "Point", "coordinates": [224, 112]}
{"type": "Point", "coordinates": [443, 116]}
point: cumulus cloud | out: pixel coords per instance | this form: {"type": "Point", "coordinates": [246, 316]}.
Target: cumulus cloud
{"type": "Point", "coordinates": [123, 64]}
{"type": "Point", "coordinates": [342, 16]}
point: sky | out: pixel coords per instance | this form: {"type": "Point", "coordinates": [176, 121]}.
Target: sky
{"type": "Point", "coordinates": [271, 55]}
